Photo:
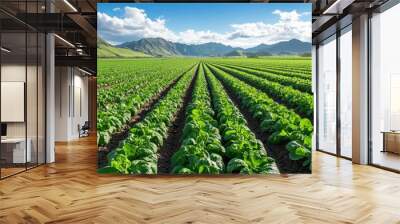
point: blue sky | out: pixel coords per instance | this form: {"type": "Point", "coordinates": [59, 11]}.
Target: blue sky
{"type": "Point", "coordinates": [241, 24]}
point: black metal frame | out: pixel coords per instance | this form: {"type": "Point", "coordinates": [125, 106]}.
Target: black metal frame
{"type": "Point", "coordinates": [369, 90]}
{"type": "Point", "coordinates": [338, 77]}
{"type": "Point", "coordinates": [44, 71]}
{"type": "Point", "coordinates": [316, 123]}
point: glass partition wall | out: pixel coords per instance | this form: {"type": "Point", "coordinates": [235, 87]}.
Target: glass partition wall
{"type": "Point", "coordinates": [345, 90]}
{"type": "Point", "coordinates": [385, 90]}
{"type": "Point", "coordinates": [327, 95]}
{"type": "Point", "coordinates": [22, 77]}
{"type": "Point", "coordinates": [334, 105]}
{"type": "Point", "coordinates": [334, 94]}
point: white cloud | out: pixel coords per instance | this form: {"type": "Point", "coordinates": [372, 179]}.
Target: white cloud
{"type": "Point", "coordinates": [116, 9]}
{"type": "Point", "coordinates": [136, 24]}
{"type": "Point", "coordinates": [287, 16]}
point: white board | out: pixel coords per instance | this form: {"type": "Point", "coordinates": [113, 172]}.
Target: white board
{"type": "Point", "coordinates": [12, 101]}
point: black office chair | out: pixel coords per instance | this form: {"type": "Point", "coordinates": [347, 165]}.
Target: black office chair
{"type": "Point", "coordinates": [84, 130]}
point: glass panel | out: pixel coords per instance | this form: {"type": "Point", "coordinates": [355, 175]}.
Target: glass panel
{"type": "Point", "coordinates": [346, 93]}
{"type": "Point", "coordinates": [327, 95]}
{"type": "Point", "coordinates": [23, 84]}
{"type": "Point", "coordinates": [13, 86]}
{"type": "Point", "coordinates": [41, 99]}
{"type": "Point", "coordinates": [385, 89]}
{"type": "Point", "coordinates": [32, 88]}
{"type": "Point", "coordinates": [31, 98]}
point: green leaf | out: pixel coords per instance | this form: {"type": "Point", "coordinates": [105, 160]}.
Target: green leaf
{"type": "Point", "coordinates": [185, 170]}
{"type": "Point", "coordinates": [235, 165]}
{"type": "Point", "coordinates": [103, 139]}
{"type": "Point", "coordinates": [297, 151]}
{"type": "Point", "coordinates": [278, 137]}
{"type": "Point", "coordinates": [107, 170]}
{"type": "Point", "coordinates": [157, 138]}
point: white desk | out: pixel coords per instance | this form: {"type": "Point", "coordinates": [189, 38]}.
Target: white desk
{"type": "Point", "coordinates": [18, 145]}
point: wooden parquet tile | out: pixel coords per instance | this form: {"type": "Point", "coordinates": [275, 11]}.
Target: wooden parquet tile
{"type": "Point", "coordinates": [70, 191]}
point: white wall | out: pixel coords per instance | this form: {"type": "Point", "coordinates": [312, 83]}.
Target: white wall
{"type": "Point", "coordinates": [79, 115]}
{"type": "Point", "coordinates": [70, 83]}
{"type": "Point", "coordinates": [62, 82]}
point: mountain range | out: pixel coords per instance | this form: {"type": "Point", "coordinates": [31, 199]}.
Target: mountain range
{"type": "Point", "coordinates": [106, 50]}
{"type": "Point", "coordinates": [160, 47]}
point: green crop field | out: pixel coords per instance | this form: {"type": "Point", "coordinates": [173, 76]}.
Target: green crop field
{"type": "Point", "coordinates": [205, 115]}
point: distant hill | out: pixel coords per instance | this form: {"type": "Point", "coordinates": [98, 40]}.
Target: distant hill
{"type": "Point", "coordinates": [293, 46]}
{"type": "Point", "coordinates": [236, 53]}
{"type": "Point", "coordinates": [153, 46]}
{"type": "Point", "coordinates": [106, 50]}
{"type": "Point", "coordinates": [205, 50]}
{"type": "Point", "coordinates": [163, 48]}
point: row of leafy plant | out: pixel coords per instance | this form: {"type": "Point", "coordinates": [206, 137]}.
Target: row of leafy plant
{"type": "Point", "coordinates": [302, 66]}
{"type": "Point", "coordinates": [282, 125]}
{"type": "Point", "coordinates": [288, 72]}
{"type": "Point", "coordinates": [289, 68]}
{"type": "Point", "coordinates": [116, 94]}
{"type": "Point", "coordinates": [138, 153]}
{"type": "Point", "coordinates": [120, 80]}
{"type": "Point", "coordinates": [113, 72]}
{"type": "Point", "coordinates": [201, 151]}
{"type": "Point", "coordinates": [113, 115]}
{"type": "Point", "coordinates": [285, 70]}
{"type": "Point", "coordinates": [301, 102]}
{"type": "Point", "coordinates": [245, 152]}
{"type": "Point", "coordinates": [303, 85]}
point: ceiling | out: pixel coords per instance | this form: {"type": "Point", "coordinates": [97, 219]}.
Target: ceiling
{"type": "Point", "coordinates": [331, 15]}
{"type": "Point", "coordinates": [74, 22]}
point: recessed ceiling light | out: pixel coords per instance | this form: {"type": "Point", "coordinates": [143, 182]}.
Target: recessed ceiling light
{"type": "Point", "coordinates": [70, 5]}
{"type": "Point", "coordinates": [64, 40]}
{"type": "Point", "coordinates": [5, 50]}
{"type": "Point", "coordinates": [86, 72]}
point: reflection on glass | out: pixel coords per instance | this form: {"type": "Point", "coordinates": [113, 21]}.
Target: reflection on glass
{"type": "Point", "coordinates": [31, 101]}
{"type": "Point", "coordinates": [346, 93]}
{"type": "Point", "coordinates": [23, 90]}
{"type": "Point", "coordinates": [327, 95]}
{"type": "Point", "coordinates": [385, 89]}
{"type": "Point", "coordinates": [14, 153]}
{"type": "Point", "coordinates": [41, 99]}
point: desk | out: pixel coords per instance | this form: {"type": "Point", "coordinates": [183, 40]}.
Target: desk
{"type": "Point", "coordinates": [16, 147]}
{"type": "Point", "coordinates": [391, 141]}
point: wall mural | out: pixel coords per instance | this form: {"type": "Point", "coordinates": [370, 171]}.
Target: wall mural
{"type": "Point", "coordinates": [204, 88]}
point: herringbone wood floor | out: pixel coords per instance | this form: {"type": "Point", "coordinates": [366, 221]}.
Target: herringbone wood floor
{"type": "Point", "coordinates": [70, 191]}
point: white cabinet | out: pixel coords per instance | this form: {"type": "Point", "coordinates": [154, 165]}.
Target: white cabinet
{"type": "Point", "coordinates": [19, 155]}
